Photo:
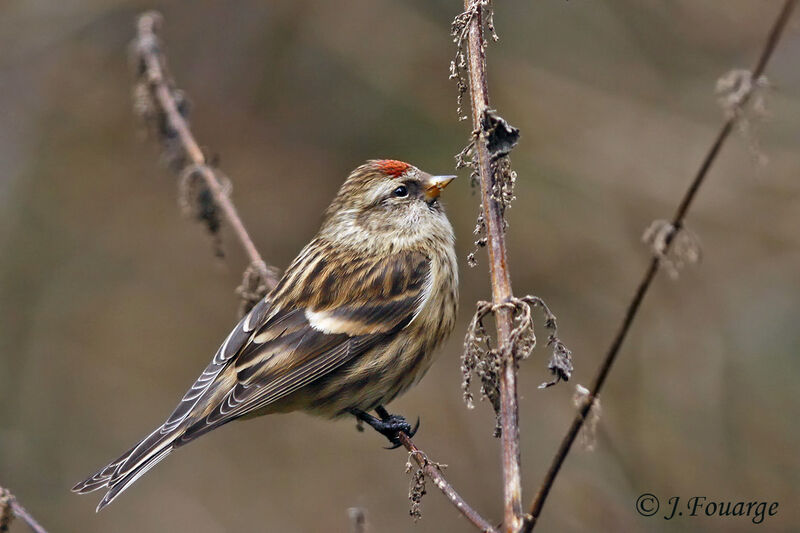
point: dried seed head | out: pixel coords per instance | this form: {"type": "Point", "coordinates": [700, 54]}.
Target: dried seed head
{"type": "Point", "coordinates": [482, 360]}
{"type": "Point", "coordinates": [254, 287]}
{"type": "Point", "coordinates": [588, 434]}
{"type": "Point", "coordinates": [416, 491]}
{"type": "Point", "coordinates": [196, 200]}
{"type": "Point", "coordinates": [674, 248]}
{"type": "Point", "coordinates": [735, 89]}
{"type": "Point", "coordinates": [501, 137]}
{"type": "Point", "coordinates": [560, 363]}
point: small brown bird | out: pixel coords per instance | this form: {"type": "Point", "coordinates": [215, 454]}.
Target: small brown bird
{"type": "Point", "coordinates": [353, 322]}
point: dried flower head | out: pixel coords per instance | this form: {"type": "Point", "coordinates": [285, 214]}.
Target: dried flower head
{"type": "Point", "coordinates": [254, 287]}
{"type": "Point", "coordinates": [736, 89]}
{"type": "Point", "coordinates": [588, 434]}
{"type": "Point", "coordinates": [482, 10]}
{"type": "Point", "coordinates": [675, 248]}
{"type": "Point", "coordinates": [416, 489]}
{"type": "Point", "coordinates": [483, 360]}
{"type": "Point", "coordinates": [196, 200]}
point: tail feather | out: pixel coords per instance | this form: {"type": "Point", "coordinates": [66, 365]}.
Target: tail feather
{"type": "Point", "coordinates": [120, 474]}
{"type": "Point", "coordinates": [130, 466]}
{"type": "Point", "coordinates": [142, 452]}
{"type": "Point", "coordinates": [100, 479]}
{"type": "Point", "coordinates": [124, 482]}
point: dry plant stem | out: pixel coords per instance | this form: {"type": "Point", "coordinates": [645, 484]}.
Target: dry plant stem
{"type": "Point", "coordinates": [19, 512]}
{"type": "Point", "coordinates": [25, 516]}
{"type": "Point", "coordinates": [500, 277]}
{"type": "Point", "coordinates": [148, 43]}
{"type": "Point", "coordinates": [650, 273]}
{"type": "Point", "coordinates": [435, 474]}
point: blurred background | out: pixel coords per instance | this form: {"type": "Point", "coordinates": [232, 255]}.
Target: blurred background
{"type": "Point", "coordinates": [111, 302]}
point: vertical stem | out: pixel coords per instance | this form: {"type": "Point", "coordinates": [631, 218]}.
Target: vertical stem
{"type": "Point", "coordinates": [498, 270]}
{"type": "Point", "coordinates": [650, 274]}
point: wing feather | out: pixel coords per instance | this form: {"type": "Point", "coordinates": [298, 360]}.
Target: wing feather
{"type": "Point", "coordinates": [233, 344]}
{"type": "Point", "coordinates": [306, 340]}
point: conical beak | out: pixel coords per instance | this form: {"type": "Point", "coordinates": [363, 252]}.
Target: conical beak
{"type": "Point", "coordinates": [434, 186]}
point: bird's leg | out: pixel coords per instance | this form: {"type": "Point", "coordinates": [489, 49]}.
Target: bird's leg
{"type": "Point", "coordinates": [387, 425]}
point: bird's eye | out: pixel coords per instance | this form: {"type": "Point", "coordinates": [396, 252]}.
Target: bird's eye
{"type": "Point", "coordinates": [401, 191]}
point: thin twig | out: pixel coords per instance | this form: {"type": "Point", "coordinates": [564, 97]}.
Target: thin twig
{"type": "Point", "coordinates": [498, 267]}
{"type": "Point", "coordinates": [433, 471]}
{"type": "Point", "coordinates": [148, 47]}
{"type": "Point", "coordinates": [652, 270]}
{"type": "Point", "coordinates": [9, 501]}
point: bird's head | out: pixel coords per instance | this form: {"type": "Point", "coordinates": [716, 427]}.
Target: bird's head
{"type": "Point", "coordinates": [388, 204]}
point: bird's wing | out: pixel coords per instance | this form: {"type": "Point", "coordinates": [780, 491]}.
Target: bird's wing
{"type": "Point", "coordinates": [324, 312]}
{"type": "Point", "coordinates": [233, 344]}
{"type": "Point", "coordinates": [335, 313]}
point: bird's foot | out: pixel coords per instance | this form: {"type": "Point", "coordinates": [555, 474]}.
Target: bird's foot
{"type": "Point", "coordinates": [394, 424]}
{"type": "Point", "coordinates": [387, 425]}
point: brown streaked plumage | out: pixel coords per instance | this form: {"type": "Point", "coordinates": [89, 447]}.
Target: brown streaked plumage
{"type": "Point", "coordinates": [353, 322]}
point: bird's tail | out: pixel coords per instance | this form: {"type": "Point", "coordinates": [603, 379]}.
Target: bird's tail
{"type": "Point", "coordinates": [121, 473]}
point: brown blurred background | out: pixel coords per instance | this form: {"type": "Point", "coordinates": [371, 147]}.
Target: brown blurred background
{"type": "Point", "coordinates": [111, 302]}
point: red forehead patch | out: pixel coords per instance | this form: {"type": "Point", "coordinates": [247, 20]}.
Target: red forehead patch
{"type": "Point", "coordinates": [391, 167]}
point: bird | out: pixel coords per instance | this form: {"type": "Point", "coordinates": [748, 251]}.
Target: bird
{"type": "Point", "coordinates": [353, 322]}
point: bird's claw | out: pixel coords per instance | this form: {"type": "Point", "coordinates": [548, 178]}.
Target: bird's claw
{"type": "Point", "coordinates": [396, 424]}
{"type": "Point", "coordinates": [390, 426]}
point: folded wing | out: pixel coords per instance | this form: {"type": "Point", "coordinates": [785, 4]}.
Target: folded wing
{"type": "Point", "coordinates": [308, 327]}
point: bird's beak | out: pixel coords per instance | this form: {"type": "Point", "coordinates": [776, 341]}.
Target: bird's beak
{"type": "Point", "coordinates": [434, 185]}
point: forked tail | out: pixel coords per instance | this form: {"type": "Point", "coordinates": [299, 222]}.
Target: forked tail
{"type": "Point", "coordinates": [133, 464]}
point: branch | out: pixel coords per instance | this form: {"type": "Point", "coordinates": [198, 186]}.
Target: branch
{"type": "Point", "coordinates": [148, 48]}
{"type": "Point", "coordinates": [434, 472]}
{"type": "Point", "coordinates": [9, 502]}
{"type": "Point", "coordinates": [174, 128]}
{"type": "Point", "coordinates": [493, 209]}
{"type": "Point", "coordinates": [655, 263]}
